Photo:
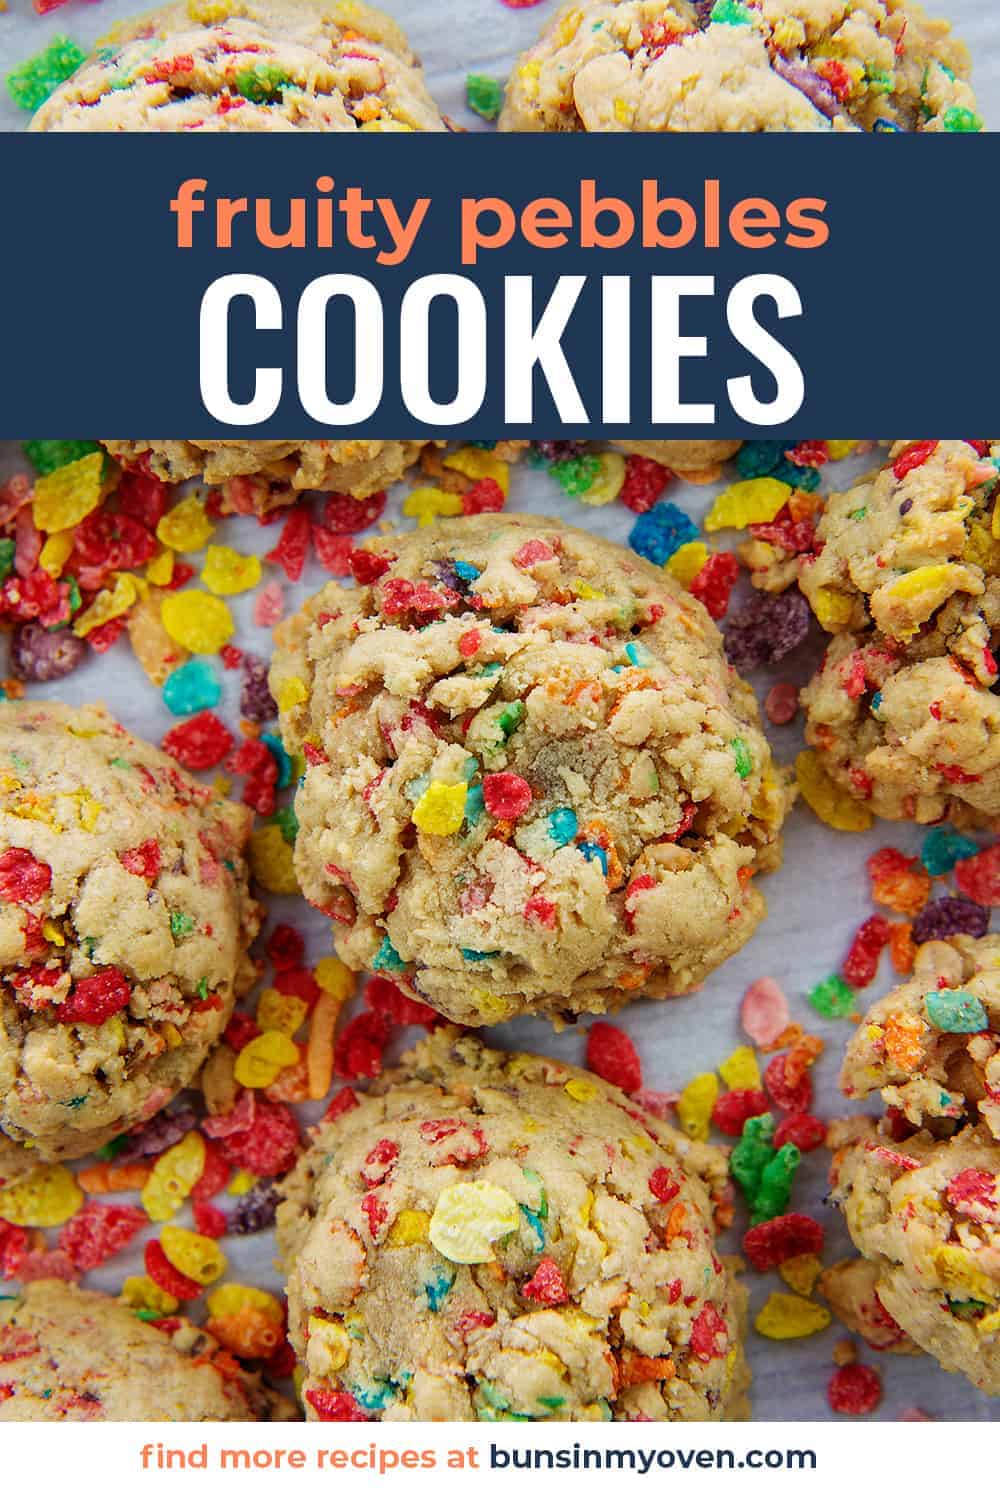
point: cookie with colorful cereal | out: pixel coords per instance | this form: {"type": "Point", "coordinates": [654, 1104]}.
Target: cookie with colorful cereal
{"type": "Point", "coordinates": [274, 65]}
{"type": "Point", "coordinates": [802, 65]}
{"type": "Point", "coordinates": [256, 477]}
{"type": "Point", "coordinates": [492, 1236]}
{"type": "Point", "coordinates": [904, 540]}
{"type": "Point", "coordinates": [533, 781]}
{"type": "Point", "coordinates": [931, 1047]}
{"type": "Point", "coordinates": [125, 920]}
{"type": "Point", "coordinates": [691, 456]}
{"type": "Point", "coordinates": [78, 1356]}
{"type": "Point", "coordinates": [913, 731]}
{"type": "Point", "coordinates": [926, 1213]}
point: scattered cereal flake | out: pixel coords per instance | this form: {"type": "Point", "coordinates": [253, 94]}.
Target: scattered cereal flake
{"type": "Point", "coordinates": [227, 571]}
{"type": "Point", "coordinates": [63, 497]}
{"type": "Point", "coordinates": [695, 1105]}
{"type": "Point", "coordinates": [187, 527]}
{"type": "Point", "coordinates": [785, 1315]}
{"type": "Point", "coordinates": [831, 804]}
{"type": "Point", "coordinates": [197, 621]}
{"type": "Point", "coordinates": [764, 1012]}
{"type": "Point", "coordinates": [747, 502]}
{"type": "Point", "coordinates": [44, 1198]}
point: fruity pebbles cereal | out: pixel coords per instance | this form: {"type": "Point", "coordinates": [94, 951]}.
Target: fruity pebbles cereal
{"type": "Point", "coordinates": [124, 926]}
{"type": "Point", "coordinates": [533, 782]}
{"type": "Point", "coordinates": [487, 1236]}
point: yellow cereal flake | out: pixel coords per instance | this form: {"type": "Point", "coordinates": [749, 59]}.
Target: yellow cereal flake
{"type": "Point", "coordinates": [197, 621]}
{"type": "Point", "coordinates": [232, 1297]}
{"type": "Point", "coordinates": [479, 463]}
{"type": "Point", "coordinates": [173, 1177]}
{"type": "Point", "coordinates": [227, 571]}
{"type": "Point", "coordinates": [272, 862]}
{"type": "Point", "coordinates": [427, 503]}
{"type": "Point", "coordinates": [410, 1227]}
{"type": "Point", "coordinates": [468, 1217]}
{"type": "Point", "coordinates": [194, 1255]}
{"type": "Point", "coordinates": [801, 1273]}
{"type": "Point", "coordinates": [608, 480]}
{"type": "Point", "coordinates": [687, 562]}
{"type": "Point", "coordinates": [741, 1069]}
{"type": "Point", "coordinates": [278, 1012]}
{"type": "Point", "coordinates": [44, 1198]}
{"type": "Point", "coordinates": [291, 693]}
{"type": "Point", "coordinates": [832, 609]}
{"type": "Point", "coordinates": [64, 497]}
{"type": "Point", "coordinates": [333, 976]}
{"type": "Point", "coordinates": [785, 1315]}
{"type": "Point", "coordinates": [262, 1059]}
{"type": "Point", "coordinates": [832, 804]}
{"type": "Point", "coordinates": [747, 503]}
{"type": "Point", "coordinates": [143, 1292]}
{"type": "Point", "coordinates": [55, 552]}
{"type": "Point", "coordinates": [108, 605]}
{"type": "Point", "coordinates": [441, 808]}
{"type": "Point", "coordinates": [187, 527]}
{"type": "Point", "coordinates": [695, 1105]}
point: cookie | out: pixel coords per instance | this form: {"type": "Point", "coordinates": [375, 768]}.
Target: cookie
{"type": "Point", "coordinates": [851, 1288]}
{"type": "Point", "coordinates": [490, 1236]}
{"type": "Point", "coordinates": [70, 1355]}
{"type": "Point", "coordinates": [684, 456]}
{"type": "Point", "coordinates": [125, 921]}
{"type": "Point", "coordinates": [931, 1048]}
{"type": "Point", "coordinates": [248, 65]}
{"type": "Point", "coordinates": [533, 782]}
{"type": "Point", "coordinates": [743, 65]}
{"type": "Point", "coordinates": [256, 477]}
{"type": "Point", "coordinates": [926, 1214]}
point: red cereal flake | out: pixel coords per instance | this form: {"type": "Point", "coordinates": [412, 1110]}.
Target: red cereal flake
{"type": "Point", "coordinates": [400, 596]}
{"type": "Point", "coordinates": [98, 1231]}
{"type": "Point", "coordinates": [546, 1286]}
{"type": "Point", "coordinates": [792, 1098]}
{"type": "Point", "coordinates": [333, 552]}
{"type": "Point", "coordinates": [764, 1012]}
{"type": "Point", "coordinates": [360, 1045]}
{"type": "Point", "coordinates": [861, 964]}
{"type": "Point", "coordinates": [104, 636]}
{"type": "Point", "coordinates": [143, 497]}
{"type": "Point", "coordinates": [271, 1144]}
{"type": "Point", "coordinates": [285, 947]}
{"type": "Point", "coordinates": [663, 1184]}
{"type": "Point", "coordinates": [612, 1056]}
{"type": "Point", "coordinates": [979, 877]}
{"type": "Point", "coordinates": [532, 552]}
{"type": "Point", "coordinates": [94, 999]}
{"type": "Point", "coordinates": [292, 547]}
{"type": "Point", "coordinates": [506, 795]}
{"type": "Point", "coordinates": [854, 1390]}
{"type": "Point", "coordinates": [733, 1109]}
{"type": "Point", "coordinates": [23, 878]}
{"type": "Point", "coordinates": [912, 457]}
{"type": "Point", "coordinates": [214, 1174]}
{"type": "Point", "coordinates": [240, 1029]}
{"type": "Point", "coordinates": [344, 1100]}
{"type": "Point", "coordinates": [973, 1192]}
{"type": "Point", "coordinates": [782, 703]}
{"type": "Point", "coordinates": [469, 643]}
{"type": "Point", "coordinates": [484, 495]}
{"type": "Point", "coordinates": [13, 1248]}
{"type": "Point", "coordinates": [209, 1220]}
{"type": "Point", "coordinates": [335, 1406]}
{"type": "Point", "coordinates": [200, 742]}
{"type": "Point", "coordinates": [379, 1162]}
{"type": "Point", "coordinates": [144, 860]}
{"type": "Point", "coordinates": [776, 1240]}
{"type": "Point", "coordinates": [375, 1212]}
{"type": "Point", "coordinates": [809, 455]}
{"type": "Point", "coordinates": [167, 1276]}
{"type": "Point", "coordinates": [802, 1130]}
{"type": "Point", "coordinates": [539, 909]}
{"type": "Point", "coordinates": [299, 982]}
{"type": "Point", "coordinates": [231, 656]}
{"type": "Point", "coordinates": [645, 481]}
{"type": "Point", "coordinates": [713, 584]}
{"type": "Point", "coordinates": [708, 1328]}
{"type": "Point", "coordinates": [898, 882]}
{"type": "Point", "coordinates": [344, 514]}
{"type": "Point", "coordinates": [368, 566]}
{"type": "Point", "coordinates": [389, 1000]}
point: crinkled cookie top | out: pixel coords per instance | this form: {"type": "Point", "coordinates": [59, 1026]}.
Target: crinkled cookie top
{"type": "Point", "coordinates": [491, 1236]}
{"type": "Point", "coordinates": [77, 1356]}
{"type": "Point", "coordinates": [742, 65]}
{"type": "Point", "coordinates": [533, 781]}
{"type": "Point", "coordinates": [124, 926]}
{"type": "Point", "coordinates": [931, 1047]}
{"type": "Point", "coordinates": [258, 476]}
{"type": "Point", "coordinates": [926, 1214]}
{"type": "Point", "coordinates": [248, 65]}
{"type": "Point", "coordinates": [904, 540]}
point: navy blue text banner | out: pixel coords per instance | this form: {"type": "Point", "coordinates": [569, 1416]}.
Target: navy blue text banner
{"type": "Point", "coordinates": [488, 286]}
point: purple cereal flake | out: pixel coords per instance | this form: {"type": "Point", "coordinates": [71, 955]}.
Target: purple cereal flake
{"type": "Point", "coordinates": [255, 1210]}
{"type": "Point", "coordinates": [949, 916]}
{"type": "Point", "coordinates": [40, 655]}
{"type": "Point", "coordinates": [256, 702]}
{"type": "Point", "coordinates": [816, 89]}
{"type": "Point", "coordinates": [556, 451]}
{"type": "Point", "coordinates": [766, 629]}
{"type": "Point", "coordinates": [158, 1135]}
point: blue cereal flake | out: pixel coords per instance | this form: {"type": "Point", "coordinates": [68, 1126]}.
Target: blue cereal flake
{"type": "Point", "coordinates": [658, 534]}
{"type": "Point", "coordinates": [282, 757]}
{"type": "Point", "coordinates": [594, 851]}
{"type": "Point", "coordinates": [467, 571]}
{"type": "Point", "coordinates": [387, 959]}
{"type": "Point", "coordinates": [477, 955]}
{"type": "Point", "coordinates": [562, 825]}
{"type": "Point", "coordinates": [942, 849]}
{"type": "Point", "coordinates": [955, 1011]}
{"type": "Point", "coordinates": [436, 1291]}
{"type": "Point", "coordinates": [537, 1227]}
{"type": "Point", "coordinates": [638, 654]}
{"type": "Point", "coordinates": [474, 804]}
{"type": "Point", "coordinates": [192, 687]}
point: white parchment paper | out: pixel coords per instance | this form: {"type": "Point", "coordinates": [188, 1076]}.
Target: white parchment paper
{"type": "Point", "coordinates": [815, 901]}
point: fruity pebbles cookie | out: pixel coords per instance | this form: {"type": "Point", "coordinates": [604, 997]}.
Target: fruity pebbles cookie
{"type": "Point", "coordinates": [490, 1236]}
{"type": "Point", "coordinates": [124, 927]}
{"type": "Point", "coordinates": [744, 65]}
{"type": "Point", "coordinates": [903, 712]}
{"type": "Point", "coordinates": [684, 456]}
{"type": "Point", "coordinates": [248, 65]}
{"type": "Point", "coordinates": [74, 1356]}
{"type": "Point", "coordinates": [533, 781]}
{"type": "Point", "coordinates": [924, 1208]}
{"type": "Point", "coordinates": [258, 477]}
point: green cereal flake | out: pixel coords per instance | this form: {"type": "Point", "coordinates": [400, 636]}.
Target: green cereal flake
{"type": "Point", "coordinates": [6, 556]}
{"type": "Point", "coordinates": [833, 997]}
{"type": "Point", "coordinates": [730, 13]}
{"type": "Point", "coordinates": [181, 924]}
{"type": "Point", "coordinates": [261, 83]}
{"type": "Point", "coordinates": [956, 1011]}
{"type": "Point", "coordinates": [575, 476]}
{"type": "Point", "coordinates": [742, 757]}
{"type": "Point", "coordinates": [31, 83]}
{"type": "Point", "coordinates": [45, 455]}
{"type": "Point", "coordinates": [484, 95]}
{"type": "Point", "coordinates": [752, 1154]}
{"type": "Point", "coordinates": [964, 121]}
{"type": "Point", "coordinates": [775, 1188]}
{"type": "Point", "coordinates": [288, 823]}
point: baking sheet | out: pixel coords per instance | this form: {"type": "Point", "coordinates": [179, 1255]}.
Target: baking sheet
{"type": "Point", "coordinates": [815, 901]}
